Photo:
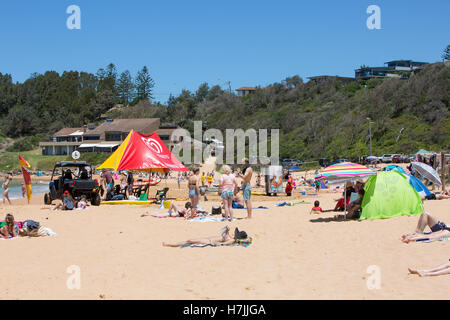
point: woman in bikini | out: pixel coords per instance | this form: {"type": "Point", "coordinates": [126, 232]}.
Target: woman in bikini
{"type": "Point", "coordinates": [194, 191]}
{"type": "Point", "coordinates": [8, 230]}
{"type": "Point", "coordinates": [5, 186]}
{"type": "Point", "coordinates": [223, 239]}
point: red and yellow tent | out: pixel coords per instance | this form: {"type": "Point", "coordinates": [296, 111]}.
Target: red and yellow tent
{"type": "Point", "coordinates": [144, 153]}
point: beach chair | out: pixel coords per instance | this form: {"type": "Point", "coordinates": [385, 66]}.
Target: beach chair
{"type": "Point", "coordinates": [160, 194]}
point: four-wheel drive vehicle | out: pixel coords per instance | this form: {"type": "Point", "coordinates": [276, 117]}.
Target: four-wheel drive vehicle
{"type": "Point", "coordinates": [76, 178]}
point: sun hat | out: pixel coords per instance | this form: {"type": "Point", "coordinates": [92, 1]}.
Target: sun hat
{"type": "Point", "coordinates": [66, 192]}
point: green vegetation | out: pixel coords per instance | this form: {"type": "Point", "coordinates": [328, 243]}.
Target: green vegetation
{"type": "Point", "coordinates": [9, 161]}
{"type": "Point", "coordinates": [326, 119]}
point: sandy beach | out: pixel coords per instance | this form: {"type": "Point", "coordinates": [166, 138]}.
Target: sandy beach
{"type": "Point", "coordinates": [294, 255]}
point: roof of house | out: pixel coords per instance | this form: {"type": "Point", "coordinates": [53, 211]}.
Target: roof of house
{"type": "Point", "coordinates": [142, 125]}
{"type": "Point", "coordinates": [64, 132]}
{"type": "Point", "coordinates": [166, 131]}
{"type": "Point", "coordinates": [246, 89]}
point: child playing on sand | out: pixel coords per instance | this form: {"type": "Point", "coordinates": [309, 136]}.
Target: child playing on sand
{"type": "Point", "coordinates": [316, 209]}
{"type": "Point", "coordinates": [82, 203]}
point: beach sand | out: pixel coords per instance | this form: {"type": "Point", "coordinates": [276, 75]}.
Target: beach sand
{"type": "Point", "coordinates": [294, 255]}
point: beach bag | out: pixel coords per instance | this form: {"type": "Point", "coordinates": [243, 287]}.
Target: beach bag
{"type": "Point", "coordinates": [216, 210]}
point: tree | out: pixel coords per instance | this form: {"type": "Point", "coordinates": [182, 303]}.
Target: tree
{"type": "Point", "coordinates": [107, 78]}
{"type": "Point", "coordinates": [202, 92]}
{"type": "Point", "coordinates": [125, 87]}
{"type": "Point", "coordinates": [144, 84]}
{"type": "Point", "coordinates": [446, 53]}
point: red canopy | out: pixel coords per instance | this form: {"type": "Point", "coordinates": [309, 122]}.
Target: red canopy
{"type": "Point", "coordinates": [145, 152]}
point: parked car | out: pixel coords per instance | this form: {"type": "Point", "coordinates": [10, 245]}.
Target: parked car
{"type": "Point", "coordinates": [339, 161]}
{"type": "Point", "coordinates": [408, 159]}
{"type": "Point", "coordinates": [397, 158]}
{"type": "Point", "coordinates": [324, 162]}
{"type": "Point", "coordinates": [386, 158]}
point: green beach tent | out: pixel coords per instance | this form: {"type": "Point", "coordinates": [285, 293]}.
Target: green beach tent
{"type": "Point", "coordinates": [388, 194]}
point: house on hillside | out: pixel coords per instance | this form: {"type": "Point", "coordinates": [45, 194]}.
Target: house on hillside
{"type": "Point", "coordinates": [106, 137]}
{"type": "Point", "coordinates": [244, 91]}
{"type": "Point", "coordinates": [401, 69]}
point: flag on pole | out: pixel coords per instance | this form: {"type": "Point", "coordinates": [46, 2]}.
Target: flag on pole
{"type": "Point", "coordinates": [23, 162]}
{"type": "Point", "coordinates": [26, 177]}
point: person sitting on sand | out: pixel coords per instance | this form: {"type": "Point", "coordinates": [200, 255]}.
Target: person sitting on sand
{"type": "Point", "coordinates": [436, 271]}
{"type": "Point", "coordinates": [174, 211]}
{"type": "Point", "coordinates": [223, 239]}
{"type": "Point", "coordinates": [354, 210]}
{"type": "Point", "coordinates": [9, 229]}
{"type": "Point", "coordinates": [82, 204]}
{"type": "Point", "coordinates": [316, 209]}
{"type": "Point", "coordinates": [68, 203]}
{"type": "Point", "coordinates": [238, 198]}
{"type": "Point", "coordinates": [340, 205]}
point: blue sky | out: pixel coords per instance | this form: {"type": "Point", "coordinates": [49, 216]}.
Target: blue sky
{"type": "Point", "coordinates": [246, 42]}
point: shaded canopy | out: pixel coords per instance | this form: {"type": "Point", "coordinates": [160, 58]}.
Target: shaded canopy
{"type": "Point", "coordinates": [144, 153]}
{"type": "Point", "coordinates": [388, 194]}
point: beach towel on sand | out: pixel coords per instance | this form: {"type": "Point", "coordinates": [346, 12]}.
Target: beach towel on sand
{"type": "Point", "coordinates": [244, 243]}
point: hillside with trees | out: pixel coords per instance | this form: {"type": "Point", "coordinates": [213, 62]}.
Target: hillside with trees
{"type": "Point", "coordinates": [327, 119]}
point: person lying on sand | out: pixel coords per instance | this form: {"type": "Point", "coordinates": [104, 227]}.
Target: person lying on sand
{"type": "Point", "coordinates": [31, 228]}
{"type": "Point", "coordinates": [8, 230]}
{"type": "Point", "coordinates": [444, 195]}
{"type": "Point", "coordinates": [439, 235]}
{"type": "Point", "coordinates": [439, 229]}
{"type": "Point", "coordinates": [174, 211]}
{"type": "Point", "coordinates": [436, 271]}
{"type": "Point", "coordinates": [427, 220]}
{"type": "Point", "coordinates": [223, 239]}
